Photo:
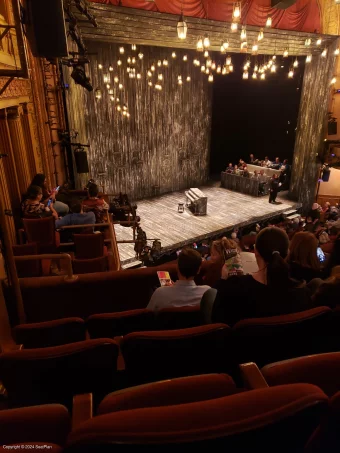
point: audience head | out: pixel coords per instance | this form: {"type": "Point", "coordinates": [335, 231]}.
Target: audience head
{"type": "Point", "coordinates": [34, 193]}
{"type": "Point", "coordinates": [93, 190]}
{"type": "Point", "coordinates": [266, 159]}
{"type": "Point", "coordinates": [189, 263]}
{"type": "Point", "coordinates": [230, 165]}
{"type": "Point", "coordinates": [235, 167]}
{"type": "Point", "coordinates": [261, 172]}
{"type": "Point", "coordinates": [77, 208]}
{"type": "Point", "coordinates": [328, 293]}
{"type": "Point", "coordinates": [251, 156]}
{"type": "Point", "coordinates": [315, 206]}
{"type": "Point", "coordinates": [285, 162]}
{"type": "Point", "coordinates": [334, 259]}
{"type": "Point", "coordinates": [255, 172]}
{"type": "Point", "coordinates": [271, 250]}
{"type": "Point", "coordinates": [39, 180]}
{"type": "Point", "coordinates": [219, 248]}
{"type": "Point", "coordinates": [277, 160]}
{"type": "Point", "coordinates": [302, 250]}
{"type": "Point", "coordinates": [275, 176]}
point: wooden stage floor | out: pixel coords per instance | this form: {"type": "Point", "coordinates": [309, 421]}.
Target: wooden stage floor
{"type": "Point", "coordinates": [226, 209]}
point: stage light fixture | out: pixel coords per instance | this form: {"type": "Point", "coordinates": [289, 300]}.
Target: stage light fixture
{"type": "Point", "coordinates": [285, 53]}
{"type": "Point", "coordinates": [100, 66]}
{"type": "Point", "coordinates": [119, 62]}
{"type": "Point", "coordinates": [199, 45]}
{"type": "Point", "coordinates": [234, 27]}
{"type": "Point", "coordinates": [319, 42]}
{"type": "Point", "coordinates": [139, 76]}
{"type": "Point", "coordinates": [213, 66]}
{"type": "Point", "coordinates": [133, 47]}
{"type": "Point", "coordinates": [153, 68]}
{"type": "Point", "coordinates": [237, 11]}
{"type": "Point", "coordinates": [160, 76]}
{"type": "Point", "coordinates": [206, 42]}
{"type": "Point", "coordinates": [185, 58]}
{"type": "Point", "coordinates": [324, 53]}
{"type": "Point", "coordinates": [263, 76]}
{"type": "Point", "coordinates": [121, 50]}
{"type": "Point", "coordinates": [255, 47]}
{"type": "Point", "coordinates": [269, 22]}
{"type": "Point", "coordinates": [207, 71]}
{"type": "Point", "coordinates": [140, 56]}
{"type": "Point", "coordinates": [173, 54]}
{"type": "Point", "coordinates": [202, 68]}
{"type": "Point", "coordinates": [116, 80]}
{"type": "Point", "coordinates": [182, 27]}
{"type": "Point", "coordinates": [231, 68]}
{"type": "Point", "coordinates": [309, 58]}
{"type": "Point", "coordinates": [218, 69]}
{"type": "Point", "coordinates": [79, 76]}
{"type": "Point", "coordinates": [150, 83]}
{"type": "Point", "coordinates": [260, 35]}
{"type": "Point", "coordinates": [98, 93]}
{"type": "Point", "coordinates": [110, 68]}
{"type": "Point", "coordinates": [188, 79]}
{"type": "Point", "coordinates": [245, 76]}
{"type": "Point", "coordinates": [291, 73]}
{"type": "Point", "coordinates": [296, 63]}
{"type": "Point", "coordinates": [228, 60]}
{"type": "Point", "coordinates": [254, 76]}
{"type": "Point", "coordinates": [337, 51]}
{"type": "Point", "coordinates": [165, 62]}
{"type": "Point", "coordinates": [210, 78]}
{"type": "Point", "coordinates": [243, 33]}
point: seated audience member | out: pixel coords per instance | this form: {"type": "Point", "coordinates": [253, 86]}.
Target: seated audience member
{"type": "Point", "coordinates": [184, 292]}
{"type": "Point", "coordinates": [78, 217]}
{"type": "Point", "coordinates": [246, 173]}
{"type": "Point", "coordinates": [32, 205]}
{"type": "Point", "coordinates": [236, 170]}
{"type": "Point", "coordinates": [310, 226]}
{"type": "Point", "coordinates": [252, 160]}
{"type": "Point", "coordinates": [230, 168]}
{"type": "Point", "coordinates": [267, 163]}
{"type": "Point", "coordinates": [255, 175]}
{"type": "Point", "coordinates": [328, 293]}
{"type": "Point", "coordinates": [277, 164]}
{"type": "Point", "coordinates": [315, 214]}
{"type": "Point", "coordinates": [226, 251]}
{"type": "Point", "coordinates": [241, 164]}
{"type": "Point", "coordinates": [334, 259]}
{"type": "Point", "coordinates": [40, 180]}
{"type": "Point", "coordinates": [303, 260]}
{"type": "Point", "coordinates": [95, 204]}
{"type": "Point", "coordinates": [268, 292]}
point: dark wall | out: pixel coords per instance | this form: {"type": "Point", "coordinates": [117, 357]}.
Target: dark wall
{"type": "Point", "coordinates": [164, 145]}
{"type": "Point", "coordinates": [251, 116]}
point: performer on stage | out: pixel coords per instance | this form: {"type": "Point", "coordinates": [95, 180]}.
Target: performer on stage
{"type": "Point", "coordinates": [274, 188]}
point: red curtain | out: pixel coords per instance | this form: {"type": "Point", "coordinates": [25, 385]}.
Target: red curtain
{"type": "Point", "coordinates": [304, 15]}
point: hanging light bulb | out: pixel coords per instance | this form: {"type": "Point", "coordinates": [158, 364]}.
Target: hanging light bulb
{"type": "Point", "coordinates": [108, 86]}
{"type": "Point", "coordinates": [319, 42]}
{"type": "Point", "coordinates": [110, 68]}
{"type": "Point", "coordinates": [309, 58]}
{"type": "Point", "coordinates": [218, 69]}
{"type": "Point", "coordinates": [106, 79]}
{"type": "Point", "coordinates": [260, 35]}
{"type": "Point", "coordinates": [273, 68]}
{"type": "Point", "coordinates": [263, 76]}
{"type": "Point", "coordinates": [207, 71]}
{"type": "Point", "coordinates": [274, 57]}
{"type": "Point", "coordinates": [208, 63]}
{"type": "Point", "coordinates": [149, 74]}
{"type": "Point", "coordinates": [254, 76]}
{"type": "Point", "coordinates": [121, 50]}
{"type": "Point", "coordinates": [159, 63]}
{"type": "Point", "coordinates": [173, 54]}
{"type": "Point", "coordinates": [180, 81]}
{"type": "Point", "coordinates": [243, 34]}
{"type": "Point", "coordinates": [119, 108]}
{"type": "Point", "coordinates": [245, 76]}
{"type": "Point", "coordinates": [185, 58]}
{"type": "Point", "coordinates": [199, 45]}
{"type": "Point", "coordinates": [153, 68]}
{"type": "Point", "coordinates": [285, 53]}
{"type": "Point", "coordinates": [111, 91]}
{"type": "Point", "coordinates": [202, 68]}
{"type": "Point", "coordinates": [324, 53]}
{"type": "Point", "coordinates": [226, 44]}
{"type": "Point", "coordinates": [233, 27]}
{"type": "Point", "coordinates": [222, 48]}
{"type": "Point", "coordinates": [337, 51]}
{"type": "Point", "coordinates": [119, 62]}
{"type": "Point", "coordinates": [206, 42]}
{"type": "Point", "coordinates": [150, 83]}
{"type": "Point", "coordinates": [228, 60]}
{"type": "Point", "coordinates": [129, 60]}
{"type": "Point", "coordinates": [296, 63]}
{"type": "Point", "coordinates": [213, 66]}
{"type": "Point", "coordinates": [120, 86]}
{"type": "Point", "coordinates": [244, 45]}
{"type": "Point", "coordinates": [231, 68]}
{"type": "Point", "coordinates": [188, 79]}
{"type": "Point", "coordinates": [308, 42]}
{"type": "Point", "coordinates": [210, 78]}
{"type": "Point", "coordinates": [128, 114]}
{"type": "Point", "coordinates": [269, 22]}
{"type": "Point", "coordinates": [133, 47]}
{"type": "Point", "coordinates": [100, 66]}
{"type": "Point", "coordinates": [224, 70]}
{"type": "Point", "coordinates": [116, 80]}
{"type": "Point", "coordinates": [256, 68]}
{"type": "Point", "coordinates": [255, 47]}
{"type": "Point", "coordinates": [291, 73]}
{"type": "Point", "coordinates": [140, 56]}
{"type": "Point", "coordinates": [98, 93]}
{"type": "Point", "coordinates": [160, 76]}
{"type": "Point", "coordinates": [206, 54]}
{"type": "Point", "coordinates": [333, 81]}
{"type": "Point", "coordinates": [182, 27]}
{"type": "Point", "coordinates": [139, 76]}
{"type": "Point", "coordinates": [112, 98]}
{"type": "Point", "coordinates": [237, 11]}
{"type": "Point", "coordinates": [245, 67]}
{"type": "Point", "coordinates": [165, 62]}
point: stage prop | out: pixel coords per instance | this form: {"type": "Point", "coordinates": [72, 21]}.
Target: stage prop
{"type": "Point", "coordinates": [312, 127]}
{"type": "Point", "coordinates": [243, 185]}
{"type": "Point", "coordinates": [196, 201]}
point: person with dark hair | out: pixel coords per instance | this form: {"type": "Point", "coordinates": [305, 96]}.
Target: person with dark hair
{"type": "Point", "coordinates": [77, 217]}
{"type": "Point", "coordinates": [303, 259]}
{"type": "Point", "coordinates": [274, 188]}
{"type": "Point", "coordinates": [246, 173]}
{"type": "Point", "coordinates": [268, 292]}
{"type": "Point", "coordinates": [230, 168]}
{"type": "Point", "coordinates": [40, 180]}
{"type": "Point", "coordinates": [184, 292]}
{"type": "Point", "coordinates": [334, 258]}
{"type": "Point", "coordinates": [32, 205]}
{"type": "Point", "coordinates": [95, 204]}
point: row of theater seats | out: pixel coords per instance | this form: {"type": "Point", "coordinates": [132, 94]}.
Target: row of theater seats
{"type": "Point", "coordinates": [285, 407]}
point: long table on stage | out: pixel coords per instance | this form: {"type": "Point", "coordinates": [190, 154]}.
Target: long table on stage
{"type": "Point", "coordinates": [249, 186]}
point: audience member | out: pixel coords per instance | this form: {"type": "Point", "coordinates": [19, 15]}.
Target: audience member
{"type": "Point", "coordinates": [277, 164]}
{"type": "Point", "coordinates": [255, 175]}
{"type": "Point", "coordinates": [77, 217]}
{"type": "Point", "coordinates": [268, 292]}
{"type": "Point", "coordinates": [267, 163]}
{"type": "Point", "coordinates": [236, 170]}
{"type": "Point", "coordinates": [328, 293]}
{"type": "Point", "coordinates": [40, 180]}
{"type": "Point", "coordinates": [334, 259]}
{"type": "Point", "coordinates": [32, 205]}
{"type": "Point", "coordinates": [95, 204]}
{"type": "Point", "coordinates": [230, 168]}
{"type": "Point", "coordinates": [184, 292]}
{"type": "Point", "coordinates": [252, 160]}
{"type": "Point", "coordinates": [226, 251]}
{"type": "Point", "coordinates": [315, 214]}
{"type": "Point", "coordinates": [246, 173]}
{"type": "Point", "coordinates": [303, 260]}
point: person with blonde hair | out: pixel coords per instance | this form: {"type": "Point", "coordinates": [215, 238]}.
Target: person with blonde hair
{"type": "Point", "coordinates": [226, 251]}
{"type": "Point", "coordinates": [303, 259]}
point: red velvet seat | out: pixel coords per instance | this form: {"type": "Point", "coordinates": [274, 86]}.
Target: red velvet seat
{"type": "Point", "coordinates": [169, 393]}
{"type": "Point", "coordinates": [50, 333]}
{"type": "Point", "coordinates": [28, 427]}
{"type": "Point", "coordinates": [27, 268]}
{"type": "Point", "coordinates": [179, 317]}
{"type": "Point", "coordinates": [266, 340]}
{"type": "Point", "coordinates": [152, 356]}
{"type": "Point", "coordinates": [42, 231]}
{"type": "Point", "coordinates": [55, 374]}
{"type": "Point", "coordinates": [90, 266]}
{"type": "Point", "coordinates": [279, 419]}
{"type": "Point", "coordinates": [88, 246]}
{"type": "Point", "coordinates": [322, 370]}
{"type": "Point", "coordinates": [110, 325]}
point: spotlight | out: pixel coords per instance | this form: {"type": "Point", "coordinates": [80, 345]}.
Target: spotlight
{"type": "Point", "coordinates": [79, 76]}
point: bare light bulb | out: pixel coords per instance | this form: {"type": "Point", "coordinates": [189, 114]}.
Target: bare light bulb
{"type": "Point", "coordinates": [269, 22]}
{"type": "Point", "coordinates": [165, 62]}
{"type": "Point", "coordinates": [100, 66]}
{"type": "Point", "coordinates": [308, 58]}
{"type": "Point", "coordinates": [188, 79]}
{"type": "Point", "coordinates": [210, 78]}
{"type": "Point", "coordinates": [237, 11]}
{"type": "Point", "coordinates": [119, 62]}
{"type": "Point", "coordinates": [324, 53]}
{"type": "Point", "coordinates": [333, 81]}
{"type": "Point", "coordinates": [234, 27]}
{"type": "Point", "coordinates": [206, 42]}
{"type": "Point", "coordinates": [261, 35]}
{"type": "Point", "coordinates": [245, 75]}
{"type": "Point", "coordinates": [285, 53]}
{"type": "Point", "coordinates": [296, 63]}
{"type": "Point", "coordinates": [243, 34]}
{"type": "Point", "coordinates": [319, 42]}
{"type": "Point", "coordinates": [263, 76]}
{"type": "Point", "coordinates": [173, 54]}
{"type": "Point", "coordinates": [202, 68]}
{"type": "Point", "coordinates": [206, 54]}
{"type": "Point", "coordinates": [291, 74]}
{"type": "Point", "coordinates": [337, 51]}
{"type": "Point", "coordinates": [199, 45]}
{"type": "Point", "coordinates": [254, 76]}
{"type": "Point", "coordinates": [185, 58]}
{"type": "Point", "coordinates": [121, 50]}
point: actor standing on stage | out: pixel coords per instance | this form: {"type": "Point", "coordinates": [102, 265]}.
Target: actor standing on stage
{"type": "Point", "coordinates": [274, 188]}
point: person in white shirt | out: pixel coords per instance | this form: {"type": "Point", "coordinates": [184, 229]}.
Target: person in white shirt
{"type": "Point", "coordinates": [184, 292]}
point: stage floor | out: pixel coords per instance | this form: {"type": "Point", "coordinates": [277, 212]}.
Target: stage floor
{"type": "Point", "coordinates": [226, 209]}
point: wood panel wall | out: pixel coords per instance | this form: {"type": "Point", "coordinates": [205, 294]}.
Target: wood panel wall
{"type": "Point", "coordinates": [164, 145]}
{"type": "Point", "coordinates": [312, 126]}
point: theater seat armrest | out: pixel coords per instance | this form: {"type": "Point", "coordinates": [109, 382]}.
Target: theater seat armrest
{"type": "Point", "coordinates": [82, 409]}
{"type": "Point", "coordinates": [252, 377]}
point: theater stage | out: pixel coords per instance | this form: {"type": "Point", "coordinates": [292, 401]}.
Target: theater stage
{"type": "Point", "coordinates": [226, 209]}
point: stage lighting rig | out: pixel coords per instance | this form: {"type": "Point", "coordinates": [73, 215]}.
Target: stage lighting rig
{"type": "Point", "coordinates": [79, 73]}
{"type": "Point", "coordinates": [73, 30]}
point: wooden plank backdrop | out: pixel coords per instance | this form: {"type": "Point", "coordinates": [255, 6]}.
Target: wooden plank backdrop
{"type": "Point", "coordinates": [164, 145]}
{"type": "Point", "coordinates": [312, 126]}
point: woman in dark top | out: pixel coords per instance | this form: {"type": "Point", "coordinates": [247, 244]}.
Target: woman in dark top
{"type": "Point", "coordinates": [268, 292]}
{"type": "Point", "coordinates": [303, 260]}
{"type": "Point", "coordinates": [40, 181]}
